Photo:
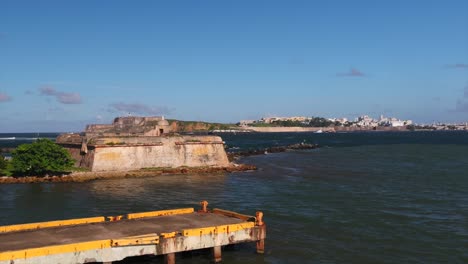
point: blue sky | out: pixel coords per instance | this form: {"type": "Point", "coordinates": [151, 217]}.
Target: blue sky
{"type": "Point", "coordinates": [64, 64]}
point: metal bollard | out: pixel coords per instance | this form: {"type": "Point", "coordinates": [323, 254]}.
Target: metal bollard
{"type": "Point", "coordinates": [204, 207]}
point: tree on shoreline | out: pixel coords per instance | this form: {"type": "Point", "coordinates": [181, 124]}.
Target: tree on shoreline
{"type": "Point", "coordinates": [3, 165]}
{"type": "Point", "coordinates": [40, 158]}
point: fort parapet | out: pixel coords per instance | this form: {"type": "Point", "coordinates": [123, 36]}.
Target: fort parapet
{"type": "Point", "coordinates": [130, 126]}
{"type": "Point", "coordinates": [132, 143]}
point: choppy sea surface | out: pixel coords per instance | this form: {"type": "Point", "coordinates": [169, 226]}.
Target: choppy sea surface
{"type": "Point", "coordinates": [379, 197]}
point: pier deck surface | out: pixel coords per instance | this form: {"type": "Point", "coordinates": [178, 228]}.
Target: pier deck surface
{"type": "Point", "coordinates": [110, 230]}
{"type": "Point", "coordinates": [113, 238]}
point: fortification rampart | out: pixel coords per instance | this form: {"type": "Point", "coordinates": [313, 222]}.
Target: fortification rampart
{"type": "Point", "coordinates": [131, 153]}
{"type": "Point", "coordinates": [132, 143]}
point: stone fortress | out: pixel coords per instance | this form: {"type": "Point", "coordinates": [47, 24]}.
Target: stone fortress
{"type": "Point", "coordinates": [131, 126]}
{"type": "Point", "coordinates": [132, 143]}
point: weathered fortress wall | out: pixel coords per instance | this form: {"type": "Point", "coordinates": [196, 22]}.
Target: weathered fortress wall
{"type": "Point", "coordinates": [132, 143]}
{"type": "Point", "coordinates": [174, 151]}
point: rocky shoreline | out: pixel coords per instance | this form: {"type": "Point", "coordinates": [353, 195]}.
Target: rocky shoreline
{"type": "Point", "coordinates": [232, 156]}
{"type": "Point", "coordinates": [86, 176]}
{"type": "Point", "coordinates": [149, 172]}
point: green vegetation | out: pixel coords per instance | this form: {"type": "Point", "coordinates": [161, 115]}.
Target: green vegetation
{"type": "Point", "coordinates": [193, 140]}
{"type": "Point", "coordinates": [196, 126]}
{"type": "Point", "coordinates": [3, 166]}
{"type": "Point", "coordinates": [3, 163]}
{"type": "Point", "coordinates": [40, 158]}
{"type": "Point", "coordinates": [115, 143]}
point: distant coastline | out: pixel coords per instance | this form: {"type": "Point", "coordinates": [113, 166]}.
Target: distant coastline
{"type": "Point", "coordinates": [361, 123]}
{"type": "Point", "coordinates": [281, 129]}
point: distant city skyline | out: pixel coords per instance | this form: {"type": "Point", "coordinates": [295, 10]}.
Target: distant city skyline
{"type": "Point", "coordinates": [66, 64]}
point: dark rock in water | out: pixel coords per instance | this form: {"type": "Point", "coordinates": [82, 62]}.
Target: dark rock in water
{"type": "Point", "coordinates": [300, 146]}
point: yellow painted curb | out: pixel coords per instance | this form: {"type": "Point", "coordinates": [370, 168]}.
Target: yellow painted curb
{"type": "Point", "coordinates": [52, 250]}
{"type": "Point", "coordinates": [160, 213]}
{"type": "Point", "coordinates": [217, 229]}
{"type": "Point", "coordinates": [233, 214]}
{"type": "Point", "coordinates": [147, 239]}
{"type": "Point", "coordinates": [39, 225]}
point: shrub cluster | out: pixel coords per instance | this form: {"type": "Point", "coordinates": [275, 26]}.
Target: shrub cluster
{"type": "Point", "coordinates": [3, 165]}
{"type": "Point", "coordinates": [42, 157]}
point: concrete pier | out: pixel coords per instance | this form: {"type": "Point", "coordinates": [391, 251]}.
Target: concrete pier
{"type": "Point", "coordinates": [108, 239]}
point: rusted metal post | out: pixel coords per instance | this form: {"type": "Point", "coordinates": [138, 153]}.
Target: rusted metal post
{"type": "Point", "coordinates": [259, 217]}
{"type": "Point", "coordinates": [261, 242]}
{"type": "Point", "coordinates": [217, 254]}
{"type": "Point", "coordinates": [261, 246]}
{"type": "Point", "coordinates": [204, 207]}
{"type": "Point", "coordinates": [169, 258]}
{"type": "Point", "coordinates": [115, 218]}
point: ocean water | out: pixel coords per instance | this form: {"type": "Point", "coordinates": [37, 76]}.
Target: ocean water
{"type": "Point", "coordinates": [361, 198]}
{"type": "Point", "coordinates": [10, 140]}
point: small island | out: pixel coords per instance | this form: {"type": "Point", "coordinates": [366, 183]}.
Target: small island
{"type": "Point", "coordinates": [131, 146]}
{"type": "Point", "coordinates": [132, 143]}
